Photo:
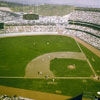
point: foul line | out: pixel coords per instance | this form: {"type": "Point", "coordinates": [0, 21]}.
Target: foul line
{"type": "Point", "coordinates": [95, 74]}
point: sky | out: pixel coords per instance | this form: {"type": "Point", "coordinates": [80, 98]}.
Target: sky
{"type": "Point", "coordinates": [86, 3]}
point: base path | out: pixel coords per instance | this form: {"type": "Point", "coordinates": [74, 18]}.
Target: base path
{"type": "Point", "coordinates": [42, 63]}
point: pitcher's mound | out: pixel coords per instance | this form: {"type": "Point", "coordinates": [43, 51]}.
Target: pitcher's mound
{"type": "Point", "coordinates": [71, 67]}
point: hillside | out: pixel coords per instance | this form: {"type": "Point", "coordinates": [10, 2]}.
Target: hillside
{"type": "Point", "coordinates": [45, 10]}
{"type": "Point", "coordinates": [8, 4]}
{"type": "Point", "coordinates": [5, 9]}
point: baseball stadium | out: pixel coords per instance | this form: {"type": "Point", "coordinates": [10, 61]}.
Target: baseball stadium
{"type": "Point", "coordinates": [49, 52]}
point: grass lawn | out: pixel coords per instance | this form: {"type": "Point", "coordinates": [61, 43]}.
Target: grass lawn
{"type": "Point", "coordinates": [69, 87]}
{"type": "Point", "coordinates": [94, 60]}
{"type": "Point", "coordinates": [17, 52]}
{"type": "Point", "coordinates": [70, 68]}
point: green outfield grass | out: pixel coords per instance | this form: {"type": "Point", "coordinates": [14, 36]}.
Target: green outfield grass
{"type": "Point", "coordinates": [17, 52]}
{"type": "Point", "coordinates": [60, 68]}
{"type": "Point", "coordinates": [68, 87]}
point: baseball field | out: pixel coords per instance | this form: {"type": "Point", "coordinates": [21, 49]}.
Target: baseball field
{"type": "Point", "coordinates": [52, 64]}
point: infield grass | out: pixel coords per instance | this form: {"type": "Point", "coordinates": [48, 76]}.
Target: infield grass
{"type": "Point", "coordinates": [70, 68]}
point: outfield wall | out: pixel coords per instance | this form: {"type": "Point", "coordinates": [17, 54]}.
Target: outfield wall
{"type": "Point", "coordinates": [27, 34]}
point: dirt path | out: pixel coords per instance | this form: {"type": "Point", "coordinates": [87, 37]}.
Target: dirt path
{"type": "Point", "coordinates": [35, 95]}
{"type": "Point", "coordinates": [31, 94]}
{"type": "Point", "coordinates": [42, 63]}
{"type": "Point", "coordinates": [91, 48]}
{"type": "Point", "coordinates": [48, 78]}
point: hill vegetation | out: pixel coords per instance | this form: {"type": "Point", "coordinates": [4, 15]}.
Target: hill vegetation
{"type": "Point", "coordinates": [45, 10]}
{"type": "Point", "coordinates": [9, 4]}
{"type": "Point", "coordinates": [87, 9]}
